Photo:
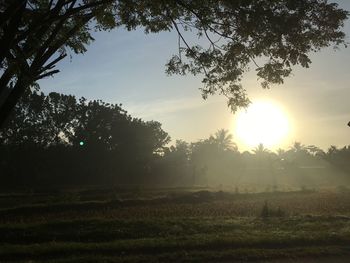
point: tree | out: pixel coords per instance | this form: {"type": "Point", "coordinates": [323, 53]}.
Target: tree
{"type": "Point", "coordinates": [223, 141]}
{"type": "Point", "coordinates": [339, 158]}
{"type": "Point", "coordinates": [64, 139]}
{"type": "Point", "coordinates": [41, 120]}
{"type": "Point", "coordinates": [281, 153]}
{"type": "Point", "coordinates": [314, 150]}
{"type": "Point", "coordinates": [260, 150]}
{"type": "Point", "coordinates": [36, 34]}
{"type": "Point", "coordinates": [175, 166]}
{"type": "Point", "coordinates": [298, 147]}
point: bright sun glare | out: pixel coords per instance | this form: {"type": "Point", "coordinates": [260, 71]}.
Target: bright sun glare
{"type": "Point", "coordinates": [262, 122]}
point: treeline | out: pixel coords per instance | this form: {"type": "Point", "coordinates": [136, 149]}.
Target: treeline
{"type": "Point", "coordinates": [59, 140]}
{"type": "Point", "coordinates": [56, 140]}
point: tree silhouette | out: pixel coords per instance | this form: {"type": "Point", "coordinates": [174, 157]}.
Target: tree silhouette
{"type": "Point", "coordinates": [332, 150]}
{"type": "Point", "coordinates": [314, 150]}
{"type": "Point", "coordinates": [298, 147]}
{"type": "Point", "coordinates": [261, 150]}
{"type": "Point", "coordinates": [223, 140]}
{"type": "Point", "coordinates": [281, 153]}
{"type": "Point", "coordinates": [339, 158]}
{"type": "Point", "coordinates": [59, 139]}
{"type": "Point", "coordinates": [41, 120]}
{"type": "Point", "coordinates": [175, 164]}
{"type": "Point", "coordinates": [36, 34]}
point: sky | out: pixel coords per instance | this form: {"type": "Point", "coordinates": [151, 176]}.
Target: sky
{"type": "Point", "coordinates": [129, 68]}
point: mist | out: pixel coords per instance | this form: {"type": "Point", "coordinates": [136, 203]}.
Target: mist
{"type": "Point", "coordinates": [71, 142]}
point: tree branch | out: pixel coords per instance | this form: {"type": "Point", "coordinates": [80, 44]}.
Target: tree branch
{"type": "Point", "coordinates": [212, 28]}
{"type": "Point", "coordinates": [49, 73]}
{"type": "Point", "coordinates": [185, 42]}
{"type": "Point", "coordinates": [53, 63]}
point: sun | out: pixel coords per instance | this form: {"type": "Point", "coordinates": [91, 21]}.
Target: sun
{"type": "Point", "coordinates": [262, 122]}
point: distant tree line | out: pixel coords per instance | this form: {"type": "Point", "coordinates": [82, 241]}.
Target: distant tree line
{"type": "Point", "coordinates": [56, 140]}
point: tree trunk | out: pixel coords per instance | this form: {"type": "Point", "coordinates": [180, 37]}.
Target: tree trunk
{"type": "Point", "coordinates": [10, 102]}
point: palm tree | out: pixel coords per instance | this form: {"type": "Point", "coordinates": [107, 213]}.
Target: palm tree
{"type": "Point", "coordinates": [298, 147]}
{"type": "Point", "coordinates": [223, 140]}
{"type": "Point", "coordinates": [298, 152]}
{"type": "Point", "coordinates": [261, 150]}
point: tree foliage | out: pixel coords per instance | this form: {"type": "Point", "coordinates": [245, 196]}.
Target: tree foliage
{"type": "Point", "coordinates": [62, 119]}
{"type": "Point", "coordinates": [56, 140]}
{"type": "Point", "coordinates": [271, 35]}
{"type": "Point", "coordinates": [57, 137]}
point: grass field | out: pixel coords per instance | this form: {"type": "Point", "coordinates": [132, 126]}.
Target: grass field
{"type": "Point", "coordinates": [174, 225]}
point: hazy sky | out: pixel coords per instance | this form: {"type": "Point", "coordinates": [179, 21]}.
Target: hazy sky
{"type": "Point", "coordinates": [128, 68]}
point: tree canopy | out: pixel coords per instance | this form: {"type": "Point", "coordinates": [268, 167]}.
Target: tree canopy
{"type": "Point", "coordinates": [58, 136]}
{"type": "Point", "coordinates": [271, 36]}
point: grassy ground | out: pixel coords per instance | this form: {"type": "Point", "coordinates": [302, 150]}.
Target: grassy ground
{"type": "Point", "coordinates": [173, 226]}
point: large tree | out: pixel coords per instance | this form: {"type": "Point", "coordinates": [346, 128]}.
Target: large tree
{"type": "Point", "coordinates": [271, 35]}
{"type": "Point", "coordinates": [58, 136]}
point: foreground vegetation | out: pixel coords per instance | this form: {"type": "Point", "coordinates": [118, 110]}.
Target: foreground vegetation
{"type": "Point", "coordinates": [173, 225]}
